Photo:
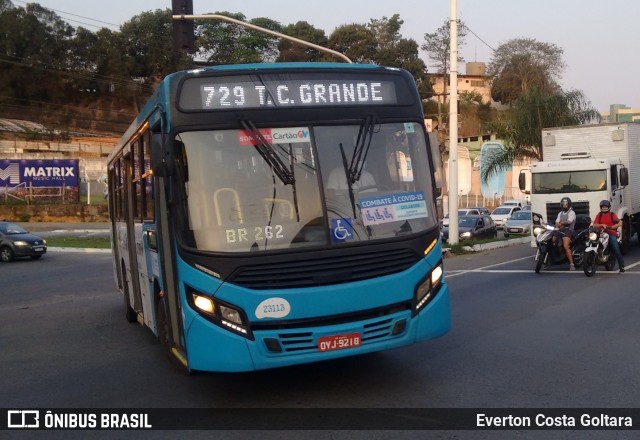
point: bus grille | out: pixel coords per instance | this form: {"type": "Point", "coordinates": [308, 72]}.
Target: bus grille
{"type": "Point", "coordinates": [292, 342]}
{"type": "Point", "coordinates": [334, 269]}
{"type": "Point", "coordinates": [554, 208]}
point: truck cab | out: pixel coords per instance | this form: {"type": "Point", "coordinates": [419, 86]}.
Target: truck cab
{"type": "Point", "coordinates": [586, 181]}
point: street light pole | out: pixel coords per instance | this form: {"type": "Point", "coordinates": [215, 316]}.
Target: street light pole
{"type": "Point", "coordinates": [453, 127]}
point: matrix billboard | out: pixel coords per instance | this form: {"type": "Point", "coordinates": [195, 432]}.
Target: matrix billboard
{"type": "Point", "coordinates": [45, 180]}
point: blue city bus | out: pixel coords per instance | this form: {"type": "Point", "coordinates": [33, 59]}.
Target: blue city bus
{"type": "Point", "coordinates": [267, 215]}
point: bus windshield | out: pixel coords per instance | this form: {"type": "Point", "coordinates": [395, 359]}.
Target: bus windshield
{"type": "Point", "coordinates": [301, 186]}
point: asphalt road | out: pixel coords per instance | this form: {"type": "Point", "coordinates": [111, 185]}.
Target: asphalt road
{"type": "Point", "coordinates": [519, 340]}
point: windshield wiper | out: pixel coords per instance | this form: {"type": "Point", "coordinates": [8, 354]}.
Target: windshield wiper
{"type": "Point", "coordinates": [363, 142]}
{"type": "Point", "coordinates": [349, 182]}
{"type": "Point", "coordinates": [268, 153]}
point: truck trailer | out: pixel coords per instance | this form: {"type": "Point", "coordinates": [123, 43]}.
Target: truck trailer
{"type": "Point", "coordinates": [589, 163]}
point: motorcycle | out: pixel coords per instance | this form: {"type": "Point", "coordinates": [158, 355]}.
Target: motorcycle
{"type": "Point", "coordinates": [551, 252]}
{"type": "Point", "coordinates": [598, 252]}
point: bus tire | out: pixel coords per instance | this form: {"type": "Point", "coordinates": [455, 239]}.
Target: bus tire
{"type": "Point", "coordinates": [162, 326]}
{"type": "Point", "coordinates": [130, 315]}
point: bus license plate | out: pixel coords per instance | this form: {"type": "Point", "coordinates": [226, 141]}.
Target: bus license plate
{"type": "Point", "coordinates": [338, 342]}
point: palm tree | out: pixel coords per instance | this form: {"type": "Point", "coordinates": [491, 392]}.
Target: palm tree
{"type": "Point", "coordinates": [521, 125]}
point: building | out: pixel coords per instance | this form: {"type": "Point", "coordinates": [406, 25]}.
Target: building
{"type": "Point", "coordinates": [621, 113]}
{"type": "Point", "coordinates": [475, 80]}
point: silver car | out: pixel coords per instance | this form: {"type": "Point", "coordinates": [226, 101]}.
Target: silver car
{"type": "Point", "coordinates": [519, 223]}
{"type": "Point", "coordinates": [501, 214]}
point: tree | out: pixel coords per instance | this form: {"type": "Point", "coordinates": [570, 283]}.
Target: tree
{"type": "Point", "coordinates": [228, 43]}
{"type": "Point", "coordinates": [438, 47]}
{"type": "Point", "coordinates": [521, 125]}
{"type": "Point", "coordinates": [521, 64]}
{"type": "Point", "coordinates": [259, 47]}
{"type": "Point", "coordinates": [34, 45]}
{"type": "Point", "coordinates": [380, 42]}
{"type": "Point", "coordinates": [290, 51]}
{"type": "Point", "coordinates": [356, 41]}
{"type": "Point", "coordinates": [147, 39]}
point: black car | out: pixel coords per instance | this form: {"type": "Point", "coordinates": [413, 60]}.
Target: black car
{"type": "Point", "coordinates": [473, 226]}
{"type": "Point", "coordinates": [16, 242]}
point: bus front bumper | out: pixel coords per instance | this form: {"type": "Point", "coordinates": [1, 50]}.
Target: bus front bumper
{"type": "Point", "coordinates": [212, 348]}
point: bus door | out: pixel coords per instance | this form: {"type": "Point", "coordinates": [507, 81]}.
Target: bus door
{"type": "Point", "coordinates": [144, 227]}
{"type": "Point", "coordinates": [133, 275]}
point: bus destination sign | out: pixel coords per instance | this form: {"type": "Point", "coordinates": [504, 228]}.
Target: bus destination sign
{"type": "Point", "coordinates": [250, 92]}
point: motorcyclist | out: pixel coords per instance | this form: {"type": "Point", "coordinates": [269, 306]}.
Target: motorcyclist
{"type": "Point", "coordinates": [565, 222]}
{"type": "Point", "coordinates": [610, 222]}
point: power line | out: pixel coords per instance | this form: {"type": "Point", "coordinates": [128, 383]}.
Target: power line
{"type": "Point", "coordinates": [75, 15]}
{"type": "Point", "coordinates": [478, 37]}
{"type": "Point", "coordinates": [89, 76]}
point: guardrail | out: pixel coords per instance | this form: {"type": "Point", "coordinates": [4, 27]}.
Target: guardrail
{"type": "Point", "coordinates": [79, 149]}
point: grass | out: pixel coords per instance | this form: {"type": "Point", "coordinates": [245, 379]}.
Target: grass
{"type": "Point", "coordinates": [80, 242]}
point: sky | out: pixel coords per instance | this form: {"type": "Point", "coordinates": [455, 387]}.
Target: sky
{"type": "Point", "coordinates": [597, 40]}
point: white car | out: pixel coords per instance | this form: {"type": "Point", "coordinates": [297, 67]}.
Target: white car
{"type": "Point", "coordinates": [515, 202]}
{"type": "Point", "coordinates": [501, 214]}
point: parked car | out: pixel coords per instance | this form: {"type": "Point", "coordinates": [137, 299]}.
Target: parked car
{"type": "Point", "coordinates": [501, 214]}
{"type": "Point", "coordinates": [461, 212]}
{"type": "Point", "coordinates": [17, 242]}
{"type": "Point", "coordinates": [515, 202]}
{"type": "Point", "coordinates": [519, 223]}
{"type": "Point", "coordinates": [482, 210]}
{"type": "Point", "coordinates": [473, 226]}
{"type": "Point", "coordinates": [526, 208]}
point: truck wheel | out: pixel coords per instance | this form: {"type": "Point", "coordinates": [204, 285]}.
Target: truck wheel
{"type": "Point", "coordinates": [626, 235]}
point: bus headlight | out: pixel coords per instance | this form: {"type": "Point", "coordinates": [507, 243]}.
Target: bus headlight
{"type": "Point", "coordinates": [427, 288]}
{"type": "Point", "coordinates": [204, 303]}
{"type": "Point", "coordinates": [220, 313]}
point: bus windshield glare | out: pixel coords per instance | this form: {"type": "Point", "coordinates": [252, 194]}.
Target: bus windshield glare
{"type": "Point", "coordinates": [241, 199]}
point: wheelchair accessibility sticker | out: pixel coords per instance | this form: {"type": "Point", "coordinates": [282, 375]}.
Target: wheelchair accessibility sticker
{"type": "Point", "coordinates": [341, 229]}
{"type": "Point", "coordinates": [394, 207]}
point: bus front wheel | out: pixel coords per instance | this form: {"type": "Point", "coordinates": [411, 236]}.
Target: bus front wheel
{"type": "Point", "coordinates": [162, 325]}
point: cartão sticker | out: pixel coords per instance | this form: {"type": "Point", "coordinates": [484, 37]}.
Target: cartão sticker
{"type": "Point", "coordinates": [273, 308]}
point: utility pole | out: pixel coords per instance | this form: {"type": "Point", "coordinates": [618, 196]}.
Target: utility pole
{"type": "Point", "coordinates": [453, 127]}
{"type": "Point", "coordinates": [183, 30]}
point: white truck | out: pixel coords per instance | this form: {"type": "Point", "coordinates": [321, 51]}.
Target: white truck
{"type": "Point", "coordinates": [589, 163]}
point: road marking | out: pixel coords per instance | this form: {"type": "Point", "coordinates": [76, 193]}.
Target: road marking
{"type": "Point", "coordinates": [486, 269]}
{"type": "Point", "coordinates": [482, 269]}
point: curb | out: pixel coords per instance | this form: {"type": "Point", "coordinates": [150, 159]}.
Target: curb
{"type": "Point", "coordinates": [499, 244]}
{"type": "Point", "coordinates": [78, 250]}
{"type": "Point", "coordinates": [492, 245]}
